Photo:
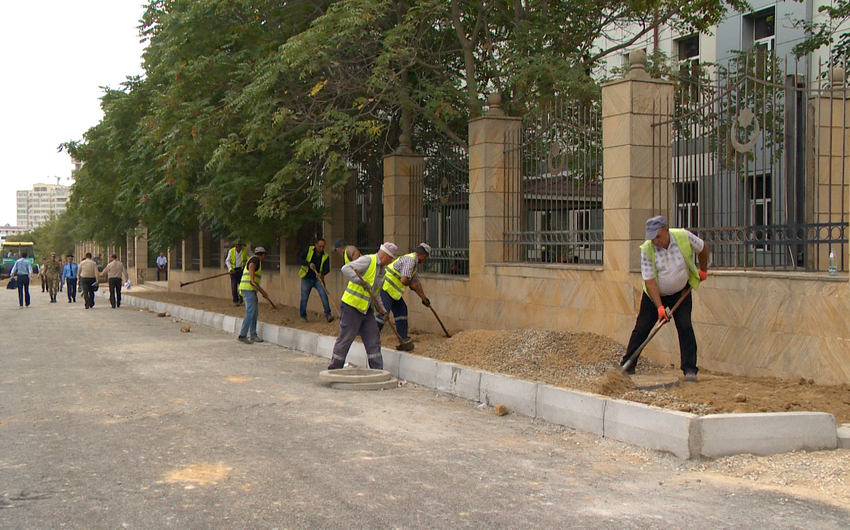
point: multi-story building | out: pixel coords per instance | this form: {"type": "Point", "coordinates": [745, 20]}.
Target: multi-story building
{"type": "Point", "coordinates": [35, 207]}
{"type": "Point", "coordinates": [8, 230]}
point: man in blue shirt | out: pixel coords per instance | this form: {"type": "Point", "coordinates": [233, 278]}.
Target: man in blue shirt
{"type": "Point", "coordinates": [22, 272]}
{"type": "Point", "coordinates": [162, 266]}
{"type": "Point", "coordinates": [69, 278]}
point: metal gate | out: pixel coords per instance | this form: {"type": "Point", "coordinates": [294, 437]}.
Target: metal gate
{"type": "Point", "coordinates": [439, 190]}
{"type": "Point", "coordinates": [553, 189]}
{"type": "Point", "coordinates": [752, 156]}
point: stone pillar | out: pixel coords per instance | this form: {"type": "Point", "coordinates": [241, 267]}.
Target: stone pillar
{"type": "Point", "coordinates": [397, 199]}
{"type": "Point", "coordinates": [634, 189]}
{"type": "Point", "coordinates": [141, 255]}
{"type": "Point", "coordinates": [334, 224]}
{"type": "Point", "coordinates": [831, 166]}
{"type": "Point", "coordinates": [187, 254]}
{"type": "Point", "coordinates": [487, 176]}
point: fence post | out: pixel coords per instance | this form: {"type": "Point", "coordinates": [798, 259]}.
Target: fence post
{"type": "Point", "coordinates": [141, 255]}
{"type": "Point", "coordinates": [636, 161]}
{"type": "Point", "coordinates": [487, 177]}
{"type": "Point", "coordinates": [397, 200]}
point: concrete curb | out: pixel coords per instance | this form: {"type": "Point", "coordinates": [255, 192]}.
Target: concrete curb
{"type": "Point", "coordinates": [682, 434]}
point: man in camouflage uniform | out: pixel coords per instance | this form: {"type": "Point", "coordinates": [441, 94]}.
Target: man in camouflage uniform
{"type": "Point", "coordinates": [52, 271]}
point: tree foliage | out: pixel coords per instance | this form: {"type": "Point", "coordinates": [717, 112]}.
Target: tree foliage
{"type": "Point", "coordinates": [251, 112]}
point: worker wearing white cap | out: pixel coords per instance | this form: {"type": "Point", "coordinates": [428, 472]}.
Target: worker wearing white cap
{"type": "Point", "coordinates": [356, 312]}
{"type": "Point", "coordinates": [401, 274]}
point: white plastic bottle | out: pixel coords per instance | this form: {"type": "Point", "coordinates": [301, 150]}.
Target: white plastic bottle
{"type": "Point", "coordinates": [833, 267]}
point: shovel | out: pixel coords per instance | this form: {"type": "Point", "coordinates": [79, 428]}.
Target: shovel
{"type": "Point", "coordinates": [436, 315]}
{"type": "Point", "coordinates": [658, 325]}
{"type": "Point", "coordinates": [327, 293]}
{"type": "Point", "coordinates": [403, 345]}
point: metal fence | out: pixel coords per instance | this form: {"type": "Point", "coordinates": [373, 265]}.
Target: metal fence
{"type": "Point", "coordinates": [439, 210]}
{"type": "Point", "coordinates": [553, 190]}
{"type": "Point", "coordinates": [364, 208]}
{"type": "Point", "coordinates": [750, 155]}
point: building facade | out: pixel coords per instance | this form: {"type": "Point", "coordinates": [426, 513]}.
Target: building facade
{"type": "Point", "coordinates": [8, 230]}
{"type": "Point", "coordinates": [36, 205]}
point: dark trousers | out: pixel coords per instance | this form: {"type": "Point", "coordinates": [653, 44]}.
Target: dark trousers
{"type": "Point", "coordinates": [399, 310]}
{"type": "Point", "coordinates": [164, 271]}
{"type": "Point", "coordinates": [352, 323]}
{"type": "Point", "coordinates": [24, 290]}
{"type": "Point", "coordinates": [115, 292]}
{"type": "Point", "coordinates": [88, 294]}
{"type": "Point", "coordinates": [307, 285]}
{"type": "Point", "coordinates": [235, 278]}
{"type": "Point", "coordinates": [72, 289]}
{"type": "Point", "coordinates": [648, 316]}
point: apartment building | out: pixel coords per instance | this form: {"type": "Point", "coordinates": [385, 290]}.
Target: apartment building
{"type": "Point", "coordinates": [8, 230]}
{"type": "Point", "coordinates": [35, 206]}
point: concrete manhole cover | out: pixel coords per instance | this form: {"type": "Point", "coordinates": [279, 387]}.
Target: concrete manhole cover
{"type": "Point", "coordinates": [355, 375]}
{"type": "Point", "coordinates": [654, 382]}
{"type": "Point", "coordinates": [380, 385]}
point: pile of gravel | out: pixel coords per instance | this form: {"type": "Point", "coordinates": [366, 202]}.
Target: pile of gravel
{"type": "Point", "coordinates": [560, 358]}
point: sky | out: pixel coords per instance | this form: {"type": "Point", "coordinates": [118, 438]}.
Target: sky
{"type": "Point", "coordinates": [57, 56]}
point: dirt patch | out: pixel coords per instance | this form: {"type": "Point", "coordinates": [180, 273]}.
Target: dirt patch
{"type": "Point", "coordinates": [570, 360]}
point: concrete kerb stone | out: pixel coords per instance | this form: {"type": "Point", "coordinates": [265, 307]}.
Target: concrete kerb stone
{"type": "Point", "coordinates": [518, 395]}
{"type": "Point", "coordinates": [767, 433]}
{"type": "Point", "coordinates": [844, 436]}
{"type": "Point", "coordinates": [682, 434]}
{"type": "Point", "coordinates": [416, 369]}
{"type": "Point", "coordinates": [458, 380]}
{"type": "Point", "coordinates": [578, 410]}
{"type": "Point", "coordinates": [651, 427]}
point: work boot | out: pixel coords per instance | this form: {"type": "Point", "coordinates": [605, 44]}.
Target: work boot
{"type": "Point", "coordinates": [329, 318]}
{"type": "Point", "coordinates": [244, 340]}
{"type": "Point", "coordinates": [691, 377]}
{"type": "Point", "coordinates": [304, 319]}
{"type": "Point", "coordinates": [257, 339]}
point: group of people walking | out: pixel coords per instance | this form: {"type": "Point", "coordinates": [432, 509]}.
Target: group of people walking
{"type": "Point", "coordinates": [73, 277]}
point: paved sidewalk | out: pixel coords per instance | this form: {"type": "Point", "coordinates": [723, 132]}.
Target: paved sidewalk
{"type": "Point", "coordinates": [113, 418]}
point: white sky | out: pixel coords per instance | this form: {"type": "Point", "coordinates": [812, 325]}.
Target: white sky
{"type": "Point", "coordinates": [56, 56]}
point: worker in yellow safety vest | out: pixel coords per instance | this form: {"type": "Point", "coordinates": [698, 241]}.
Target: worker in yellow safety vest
{"type": "Point", "coordinates": [669, 274]}
{"type": "Point", "coordinates": [401, 274]}
{"type": "Point", "coordinates": [357, 312]}
{"type": "Point", "coordinates": [236, 258]}
{"type": "Point", "coordinates": [249, 286]}
{"type": "Point", "coordinates": [348, 253]}
{"type": "Point", "coordinates": [315, 264]}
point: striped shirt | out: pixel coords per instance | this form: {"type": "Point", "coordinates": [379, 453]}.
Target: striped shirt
{"type": "Point", "coordinates": [406, 266]}
{"type": "Point", "coordinates": [670, 264]}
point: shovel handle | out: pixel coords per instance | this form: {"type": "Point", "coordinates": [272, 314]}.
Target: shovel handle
{"type": "Point", "coordinates": [328, 294]}
{"type": "Point", "coordinates": [658, 325]}
{"type": "Point", "coordinates": [378, 307]}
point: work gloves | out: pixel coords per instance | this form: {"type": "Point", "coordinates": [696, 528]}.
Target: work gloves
{"type": "Point", "coordinates": [662, 314]}
{"type": "Point", "coordinates": [426, 302]}
{"type": "Point", "coordinates": [703, 275]}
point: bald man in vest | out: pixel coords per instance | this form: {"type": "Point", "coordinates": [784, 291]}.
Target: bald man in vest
{"type": "Point", "coordinates": [667, 267]}
{"type": "Point", "coordinates": [357, 312]}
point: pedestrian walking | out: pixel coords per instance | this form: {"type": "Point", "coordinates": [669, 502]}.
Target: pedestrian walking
{"type": "Point", "coordinates": [42, 276]}
{"type": "Point", "coordinates": [52, 271]}
{"type": "Point", "coordinates": [236, 258]}
{"type": "Point", "coordinates": [161, 266]}
{"type": "Point", "coordinates": [115, 274]}
{"type": "Point", "coordinates": [249, 286]}
{"type": "Point", "coordinates": [314, 266]}
{"type": "Point", "coordinates": [401, 274]}
{"type": "Point", "coordinates": [22, 274]}
{"type": "Point", "coordinates": [667, 267]}
{"type": "Point", "coordinates": [87, 278]}
{"type": "Point", "coordinates": [69, 277]}
{"type": "Point", "coordinates": [356, 312]}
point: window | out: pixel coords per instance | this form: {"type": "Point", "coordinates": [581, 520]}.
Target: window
{"type": "Point", "coordinates": [687, 204]}
{"type": "Point", "coordinates": [761, 212]}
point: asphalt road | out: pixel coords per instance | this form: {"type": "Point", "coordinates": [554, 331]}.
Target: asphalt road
{"type": "Point", "coordinates": [115, 419]}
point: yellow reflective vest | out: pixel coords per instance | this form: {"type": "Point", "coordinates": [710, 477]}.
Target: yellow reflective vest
{"type": "Point", "coordinates": [245, 282]}
{"type": "Point", "coordinates": [302, 272]}
{"type": "Point", "coordinates": [392, 278]}
{"type": "Point", "coordinates": [684, 246]}
{"type": "Point", "coordinates": [355, 294]}
{"type": "Point", "coordinates": [231, 257]}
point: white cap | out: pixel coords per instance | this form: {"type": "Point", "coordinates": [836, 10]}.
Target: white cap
{"type": "Point", "coordinates": [389, 249]}
{"type": "Point", "coordinates": [426, 247]}
{"type": "Point", "coordinates": [259, 250]}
